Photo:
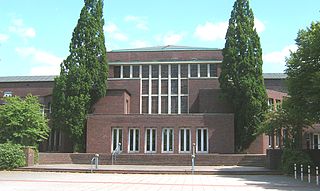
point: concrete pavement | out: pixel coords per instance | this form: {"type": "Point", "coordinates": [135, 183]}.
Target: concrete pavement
{"type": "Point", "coordinates": [51, 181]}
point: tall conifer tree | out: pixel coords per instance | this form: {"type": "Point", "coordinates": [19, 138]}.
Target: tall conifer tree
{"type": "Point", "coordinates": [83, 74]}
{"type": "Point", "coordinates": [241, 77]}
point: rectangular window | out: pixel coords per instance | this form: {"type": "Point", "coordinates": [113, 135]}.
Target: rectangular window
{"type": "Point", "coordinates": [213, 70]}
{"type": "Point", "coordinates": [193, 70]}
{"type": "Point", "coordinates": [116, 71]}
{"type": "Point", "coordinates": [126, 71]}
{"type": "Point", "coordinates": [164, 86]}
{"type": "Point", "coordinates": [203, 70]}
{"type": "Point", "coordinates": [174, 104]}
{"type": "Point", "coordinates": [174, 86]}
{"type": "Point", "coordinates": [270, 104]}
{"type": "Point", "coordinates": [150, 140]}
{"type": "Point", "coordinates": [167, 140]}
{"type": "Point", "coordinates": [164, 104]}
{"type": "Point", "coordinates": [202, 140]}
{"type": "Point", "coordinates": [134, 137]}
{"type": "Point", "coordinates": [145, 71]}
{"type": "Point", "coordinates": [316, 138]}
{"type": "Point", "coordinates": [278, 104]}
{"type": "Point", "coordinates": [184, 104]}
{"type": "Point", "coordinates": [185, 140]}
{"type": "Point", "coordinates": [184, 86]}
{"type": "Point", "coordinates": [145, 104]}
{"type": "Point", "coordinates": [155, 71]}
{"type": "Point", "coordinates": [174, 71]}
{"type": "Point", "coordinates": [117, 139]}
{"type": "Point", "coordinates": [135, 71]}
{"type": "Point", "coordinates": [145, 86]}
{"type": "Point", "coordinates": [164, 71]}
{"type": "Point", "coordinates": [154, 87]}
{"type": "Point", "coordinates": [184, 70]}
{"type": "Point", "coordinates": [154, 106]}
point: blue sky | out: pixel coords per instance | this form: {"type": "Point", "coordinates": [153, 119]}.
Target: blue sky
{"type": "Point", "coordinates": [35, 34]}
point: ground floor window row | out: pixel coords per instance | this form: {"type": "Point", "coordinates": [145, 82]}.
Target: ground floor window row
{"type": "Point", "coordinates": [151, 138]}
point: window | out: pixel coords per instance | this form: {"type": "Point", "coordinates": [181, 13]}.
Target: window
{"type": "Point", "coordinates": [145, 104]}
{"type": "Point", "coordinates": [145, 86]}
{"type": "Point", "coordinates": [167, 140]}
{"type": "Point", "coordinates": [116, 138]}
{"type": "Point", "coordinates": [150, 140]}
{"type": "Point", "coordinates": [164, 104]}
{"type": "Point", "coordinates": [154, 86]}
{"type": "Point", "coordinates": [135, 71]}
{"type": "Point", "coordinates": [278, 104]}
{"type": "Point", "coordinates": [174, 104]}
{"type": "Point", "coordinates": [126, 71]}
{"type": "Point", "coordinates": [174, 71]}
{"type": "Point", "coordinates": [145, 71]}
{"type": "Point", "coordinates": [174, 86]}
{"type": "Point", "coordinates": [185, 140]}
{"type": "Point", "coordinates": [193, 70]}
{"type": "Point", "coordinates": [154, 105]}
{"type": "Point", "coordinates": [164, 86]}
{"type": "Point", "coordinates": [270, 104]}
{"type": "Point", "coordinates": [134, 137]}
{"type": "Point", "coordinates": [202, 140]}
{"type": "Point", "coordinates": [184, 86]}
{"type": "Point", "coordinates": [316, 144]}
{"type": "Point", "coordinates": [184, 104]}
{"type": "Point", "coordinates": [184, 70]}
{"type": "Point", "coordinates": [203, 70]}
{"type": "Point", "coordinates": [164, 71]}
{"type": "Point", "coordinates": [116, 71]}
{"type": "Point", "coordinates": [213, 70]}
{"type": "Point", "coordinates": [155, 71]}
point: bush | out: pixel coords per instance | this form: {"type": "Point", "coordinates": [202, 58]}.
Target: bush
{"type": "Point", "coordinates": [11, 156]}
{"type": "Point", "coordinates": [291, 157]}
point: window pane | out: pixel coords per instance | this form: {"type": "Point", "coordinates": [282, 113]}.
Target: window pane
{"type": "Point", "coordinates": [148, 139]}
{"type": "Point", "coordinates": [203, 70]}
{"type": "Point", "coordinates": [164, 71]}
{"type": "Point", "coordinates": [187, 140]}
{"type": "Point", "coordinates": [126, 71]}
{"type": "Point", "coordinates": [194, 70]}
{"type": "Point", "coordinates": [199, 139]}
{"type": "Point", "coordinates": [145, 104]}
{"type": "Point", "coordinates": [164, 86]}
{"type": "Point", "coordinates": [135, 71]}
{"type": "Point", "coordinates": [145, 71]}
{"type": "Point", "coordinates": [114, 139]}
{"type": "Point", "coordinates": [164, 104]}
{"type": "Point", "coordinates": [182, 140]}
{"type": "Point", "coordinates": [205, 136]}
{"type": "Point", "coordinates": [174, 104]}
{"type": "Point", "coordinates": [145, 86]}
{"type": "Point", "coordinates": [131, 139]}
{"type": "Point", "coordinates": [153, 140]}
{"type": "Point", "coordinates": [165, 144]}
{"type": "Point", "coordinates": [170, 139]}
{"type": "Point", "coordinates": [184, 104]}
{"type": "Point", "coordinates": [155, 71]}
{"type": "Point", "coordinates": [184, 86]}
{"type": "Point", "coordinates": [184, 70]}
{"type": "Point", "coordinates": [137, 139]}
{"type": "Point", "coordinates": [174, 86]}
{"type": "Point", "coordinates": [116, 71]}
{"type": "Point", "coordinates": [213, 70]}
{"type": "Point", "coordinates": [174, 71]}
{"type": "Point", "coordinates": [154, 108]}
{"type": "Point", "coordinates": [154, 87]}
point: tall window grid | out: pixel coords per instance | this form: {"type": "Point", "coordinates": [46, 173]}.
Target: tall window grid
{"type": "Point", "coordinates": [116, 138]}
{"type": "Point", "coordinates": [134, 139]}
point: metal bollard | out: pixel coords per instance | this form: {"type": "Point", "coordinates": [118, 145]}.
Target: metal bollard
{"type": "Point", "coordinates": [317, 176]}
{"type": "Point", "coordinates": [96, 160]}
{"type": "Point", "coordinates": [301, 172]}
{"type": "Point", "coordinates": [295, 171]}
{"type": "Point", "coordinates": [309, 178]}
{"type": "Point", "coordinates": [193, 156]}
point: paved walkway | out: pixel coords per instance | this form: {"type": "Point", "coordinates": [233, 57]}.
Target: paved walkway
{"type": "Point", "coordinates": [149, 169]}
{"type": "Point", "coordinates": [52, 181]}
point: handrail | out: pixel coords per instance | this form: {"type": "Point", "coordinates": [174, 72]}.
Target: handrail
{"type": "Point", "coordinates": [115, 153]}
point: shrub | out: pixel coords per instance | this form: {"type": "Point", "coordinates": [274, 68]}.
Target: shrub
{"type": "Point", "coordinates": [291, 157]}
{"type": "Point", "coordinates": [11, 156]}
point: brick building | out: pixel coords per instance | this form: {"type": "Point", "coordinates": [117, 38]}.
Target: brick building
{"type": "Point", "coordinates": [160, 100]}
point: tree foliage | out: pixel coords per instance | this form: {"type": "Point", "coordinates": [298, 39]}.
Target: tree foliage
{"type": "Point", "coordinates": [21, 121]}
{"type": "Point", "coordinates": [303, 70]}
{"type": "Point", "coordinates": [83, 74]}
{"type": "Point", "coordinates": [241, 77]}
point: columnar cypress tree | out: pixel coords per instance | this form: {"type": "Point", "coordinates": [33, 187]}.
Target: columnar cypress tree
{"type": "Point", "coordinates": [241, 77]}
{"type": "Point", "coordinates": [83, 74]}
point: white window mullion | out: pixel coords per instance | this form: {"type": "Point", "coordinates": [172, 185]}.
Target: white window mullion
{"type": "Point", "coordinates": [179, 90]}
{"type": "Point", "coordinates": [208, 70]}
{"type": "Point", "coordinates": [185, 140]}
{"type": "Point", "coordinates": [159, 90]}
{"type": "Point", "coordinates": [189, 73]}
{"type": "Point", "coordinates": [169, 88]}
{"type": "Point", "coordinates": [198, 70]}
{"type": "Point", "coordinates": [150, 88]}
{"type": "Point", "coordinates": [121, 71]}
{"type": "Point", "coordinates": [131, 71]}
{"type": "Point", "coordinates": [202, 140]}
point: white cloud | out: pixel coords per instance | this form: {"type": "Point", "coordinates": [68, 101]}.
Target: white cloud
{"type": "Point", "coordinates": [211, 31]}
{"type": "Point", "coordinates": [46, 63]}
{"type": "Point", "coordinates": [20, 29]}
{"type": "Point", "coordinates": [139, 44]}
{"type": "Point", "coordinates": [113, 32]}
{"type": "Point", "coordinates": [260, 27]}
{"type": "Point", "coordinates": [3, 37]}
{"type": "Point", "coordinates": [279, 57]}
{"type": "Point", "coordinates": [170, 38]}
{"type": "Point", "coordinates": [140, 22]}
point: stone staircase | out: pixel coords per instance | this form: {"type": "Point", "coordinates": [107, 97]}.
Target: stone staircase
{"type": "Point", "coordinates": [253, 160]}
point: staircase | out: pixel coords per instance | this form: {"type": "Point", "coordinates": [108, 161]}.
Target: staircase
{"type": "Point", "coordinates": [253, 160]}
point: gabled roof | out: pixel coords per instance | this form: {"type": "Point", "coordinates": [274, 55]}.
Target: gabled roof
{"type": "Point", "coordinates": [164, 48]}
{"type": "Point", "coordinates": [27, 79]}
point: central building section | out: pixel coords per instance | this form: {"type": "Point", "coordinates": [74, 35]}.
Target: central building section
{"type": "Point", "coordinates": [162, 100]}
